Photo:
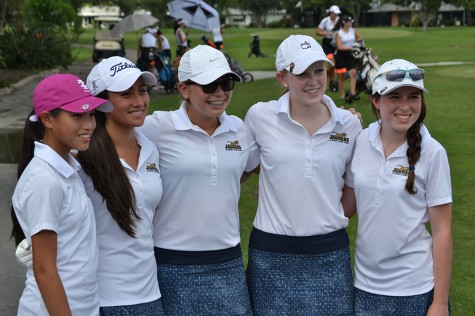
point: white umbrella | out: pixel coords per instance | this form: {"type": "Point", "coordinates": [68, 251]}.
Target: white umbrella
{"type": "Point", "coordinates": [197, 14]}
{"type": "Point", "coordinates": [133, 23]}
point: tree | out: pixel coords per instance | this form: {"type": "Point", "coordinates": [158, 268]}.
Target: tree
{"type": "Point", "coordinates": [426, 9]}
{"type": "Point", "coordinates": [259, 9]}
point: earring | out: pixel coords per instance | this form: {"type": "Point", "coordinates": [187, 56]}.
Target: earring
{"type": "Point", "coordinates": [285, 85]}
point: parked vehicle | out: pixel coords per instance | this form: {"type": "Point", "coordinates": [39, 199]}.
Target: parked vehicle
{"type": "Point", "coordinates": [105, 44]}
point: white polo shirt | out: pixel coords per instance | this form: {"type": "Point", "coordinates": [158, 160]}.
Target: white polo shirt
{"type": "Point", "coordinates": [127, 273]}
{"type": "Point", "coordinates": [201, 181]}
{"type": "Point", "coordinates": [50, 196]}
{"type": "Point", "coordinates": [148, 40]}
{"type": "Point", "coordinates": [393, 248]}
{"type": "Point", "coordinates": [301, 176]}
{"type": "Point", "coordinates": [327, 25]}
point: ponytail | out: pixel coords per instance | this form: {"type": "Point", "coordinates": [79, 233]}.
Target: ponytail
{"type": "Point", "coordinates": [102, 164]}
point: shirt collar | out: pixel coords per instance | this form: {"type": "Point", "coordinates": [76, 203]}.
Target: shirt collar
{"type": "Point", "coordinates": [181, 121]}
{"type": "Point", "coordinates": [283, 106]}
{"type": "Point", "coordinates": [66, 168]}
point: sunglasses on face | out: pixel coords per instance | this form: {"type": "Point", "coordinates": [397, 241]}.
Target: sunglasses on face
{"type": "Point", "coordinates": [399, 74]}
{"type": "Point", "coordinates": [226, 85]}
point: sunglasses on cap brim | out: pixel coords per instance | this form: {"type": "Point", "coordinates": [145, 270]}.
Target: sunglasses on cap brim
{"type": "Point", "coordinates": [398, 75]}
{"type": "Point", "coordinates": [226, 85]}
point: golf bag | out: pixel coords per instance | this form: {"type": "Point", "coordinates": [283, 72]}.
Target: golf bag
{"type": "Point", "coordinates": [366, 69]}
{"type": "Point", "coordinates": [165, 76]}
{"type": "Point", "coordinates": [255, 47]}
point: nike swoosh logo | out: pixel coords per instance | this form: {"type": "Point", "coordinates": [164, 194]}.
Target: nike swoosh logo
{"type": "Point", "coordinates": [211, 60]}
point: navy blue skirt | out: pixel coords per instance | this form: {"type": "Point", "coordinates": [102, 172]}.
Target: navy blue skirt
{"type": "Point", "coordinates": [368, 304]}
{"type": "Point", "coordinates": [204, 289]}
{"type": "Point", "coordinates": [153, 308]}
{"type": "Point", "coordinates": [300, 284]}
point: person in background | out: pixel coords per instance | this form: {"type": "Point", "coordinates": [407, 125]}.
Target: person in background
{"type": "Point", "coordinates": [325, 30]}
{"type": "Point", "coordinates": [401, 183]}
{"type": "Point", "coordinates": [203, 153]}
{"type": "Point", "coordinates": [146, 49]}
{"type": "Point", "coordinates": [181, 36]}
{"type": "Point", "coordinates": [50, 207]}
{"type": "Point", "coordinates": [299, 258]}
{"type": "Point", "coordinates": [218, 36]}
{"type": "Point", "coordinates": [163, 44]}
{"type": "Point", "coordinates": [346, 36]}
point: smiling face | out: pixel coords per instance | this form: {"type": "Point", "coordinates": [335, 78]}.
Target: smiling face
{"type": "Point", "coordinates": [202, 106]}
{"type": "Point", "coordinates": [399, 109]}
{"type": "Point", "coordinates": [307, 88]}
{"type": "Point", "coordinates": [66, 130]}
{"type": "Point", "coordinates": [130, 106]}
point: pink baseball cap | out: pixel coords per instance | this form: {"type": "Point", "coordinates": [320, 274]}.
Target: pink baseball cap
{"type": "Point", "coordinates": [66, 92]}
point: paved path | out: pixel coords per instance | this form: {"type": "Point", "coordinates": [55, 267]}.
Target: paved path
{"type": "Point", "coordinates": [15, 105]}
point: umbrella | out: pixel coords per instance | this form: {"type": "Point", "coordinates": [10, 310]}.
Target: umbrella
{"type": "Point", "coordinates": [197, 14]}
{"type": "Point", "coordinates": [133, 22]}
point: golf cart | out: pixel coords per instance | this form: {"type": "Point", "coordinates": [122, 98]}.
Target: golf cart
{"type": "Point", "coordinates": [106, 44]}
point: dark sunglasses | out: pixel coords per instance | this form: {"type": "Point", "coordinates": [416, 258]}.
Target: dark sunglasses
{"type": "Point", "coordinates": [399, 74]}
{"type": "Point", "coordinates": [226, 85]}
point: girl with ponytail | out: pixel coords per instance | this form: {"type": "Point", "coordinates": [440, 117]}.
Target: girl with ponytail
{"type": "Point", "coordinates": [401, 183]}
{"type": "Point", "coordinates": [50, 206]}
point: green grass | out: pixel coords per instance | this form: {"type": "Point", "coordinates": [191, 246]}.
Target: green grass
{"type": "Point", "coordinates": [451, 118]}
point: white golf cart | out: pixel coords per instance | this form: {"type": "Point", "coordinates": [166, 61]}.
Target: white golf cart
{"type": "Point", "coordinates": [105, 44]}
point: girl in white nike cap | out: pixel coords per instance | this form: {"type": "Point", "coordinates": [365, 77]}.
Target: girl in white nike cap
{"type": "Point", "coordinates": [50, 206]}
{"type": "Point", "coordinates": [401, 182]}
{"type": "Point", "coordinates": [299, 259]}
{"type": "Point", "coordinates": [203, 153]}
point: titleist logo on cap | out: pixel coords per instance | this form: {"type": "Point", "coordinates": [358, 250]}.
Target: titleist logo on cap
{"type": "Point", "coordinates": [121, 66]}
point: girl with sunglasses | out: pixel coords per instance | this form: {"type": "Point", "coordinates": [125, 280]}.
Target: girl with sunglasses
{"type": "Point", "coordinates": [203, 153]}
{"type": "Point", "coordinates": [401, 183]}
{"type": "Point", "coordinates": [50, 206]}
{"type": "Point", "coordinates": [299, 258]}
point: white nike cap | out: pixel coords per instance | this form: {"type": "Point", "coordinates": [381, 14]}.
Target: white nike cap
{"type": "Point", "coordinates": [204, 64]}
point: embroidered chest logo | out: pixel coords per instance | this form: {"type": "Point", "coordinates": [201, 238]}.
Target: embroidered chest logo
{"type": "Point", "coordinates": [339, 137]}
{"type": "Point", "coordinates": [152, 167]}
{"type": "Point", "coordinates": [401, 171]}
{"type": "Point", "coordinates": [233, 146]}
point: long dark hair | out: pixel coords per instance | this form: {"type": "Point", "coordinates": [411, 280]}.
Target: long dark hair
{"type": "Point", "coordinates": [414, 139]}
{"type": "Point", "coordinates": [102, 163]}
{"type": "Point", "coordinates": [33, 131]}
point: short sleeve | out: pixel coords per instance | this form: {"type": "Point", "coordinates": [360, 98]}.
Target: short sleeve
{"type": "Point", "coordinates": [254, 151]}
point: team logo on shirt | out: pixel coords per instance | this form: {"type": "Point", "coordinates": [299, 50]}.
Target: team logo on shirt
{"type": "Point", "coordinates": [233, 146]}
{"type": "Point", "coordinates": [152, 167]}
{"type": "Point", "coordinates": [339, 137]}
{"type": "Point", "coordinates": [401, 171]}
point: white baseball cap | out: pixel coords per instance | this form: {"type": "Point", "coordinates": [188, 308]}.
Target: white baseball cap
{"type": "Point", "coordinates": [116, 74]}
{"type": "Point", "coordinates": [297, 52]}
{"type": "Point", "coordinates": [334, 9]}
{"type": "Point", "coordinates": [383, 86]}
{"type": "Point", "coordinates": [204, 64]}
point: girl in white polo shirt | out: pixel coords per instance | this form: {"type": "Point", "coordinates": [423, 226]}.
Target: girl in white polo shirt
{"type": "Point", "coordinates": [50, 206]}
{"type": "Point", "coordinates": [299, 259]}
{"type": "Point", "coordinates": [401, 182]}
{"type": "Point", "coordinates": [123, 181]}
{"type": "Point", "coordinates": [203, 153]}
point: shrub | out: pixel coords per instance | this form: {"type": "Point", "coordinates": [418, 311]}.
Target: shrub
{"type": "Point", "coordinates": [34, 48]}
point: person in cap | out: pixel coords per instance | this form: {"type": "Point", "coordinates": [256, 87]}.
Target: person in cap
{"type": "Point", "coordinates": [126, 206]}
{"type": "Point", "coordinates": [401, 183]}
{"type": "Point", "coordinates": [203, 153]}
{"type": "Point", "coordinates": [299, 259]}
{"type": "Point", "coordinates": [146, 49]}
{"type": "Point", "coordinates": [163, 44]}
{"type": "Point", "coordinates": [181, 36]}
{"type": "Point", "coordinates": [325, 30]}
{"type": "Point", "coordinates": [50, 207]}
{"type": "Point", "coordinates": [345, 38]}
{"type": "Point", "coordinates": [218, 36]}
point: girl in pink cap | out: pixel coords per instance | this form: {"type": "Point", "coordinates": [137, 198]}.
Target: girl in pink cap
{"type": "Point", "coordinates": [50, 206]}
